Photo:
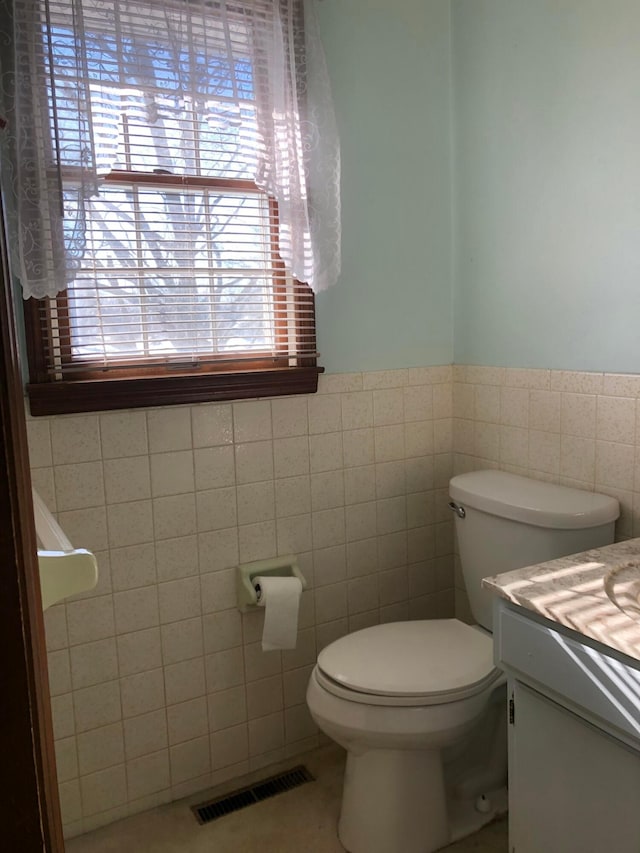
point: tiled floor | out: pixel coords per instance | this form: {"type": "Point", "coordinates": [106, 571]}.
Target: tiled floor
{"type": "Point", "coordinates": [301, 820]}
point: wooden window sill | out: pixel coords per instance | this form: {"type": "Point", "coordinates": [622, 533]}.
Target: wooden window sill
{"type": "Point", "coordinates": [95, 395]}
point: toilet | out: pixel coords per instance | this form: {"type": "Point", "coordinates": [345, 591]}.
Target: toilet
{"type": "Point", "coordinates": [419, 706]}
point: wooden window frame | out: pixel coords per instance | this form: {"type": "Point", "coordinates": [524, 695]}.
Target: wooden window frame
{"type": "Point", "coordinates": [154, 384]}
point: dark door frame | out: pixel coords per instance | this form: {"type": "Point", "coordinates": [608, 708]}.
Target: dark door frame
{"type": "Point", "coordinates": [31, 811]}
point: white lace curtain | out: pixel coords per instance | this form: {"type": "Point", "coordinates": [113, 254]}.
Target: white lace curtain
{"type": "Point", "coordinates": [73, 71]}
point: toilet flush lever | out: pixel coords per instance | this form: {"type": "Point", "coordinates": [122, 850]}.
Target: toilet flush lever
{"type": "Point", "coordinates": [459, 510]}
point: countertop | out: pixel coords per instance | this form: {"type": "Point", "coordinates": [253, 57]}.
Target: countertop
{"type": "Point", "coordinates": [571, 591]}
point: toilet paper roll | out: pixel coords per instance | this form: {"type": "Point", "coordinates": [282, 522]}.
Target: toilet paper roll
{"type": "Point", "coordinates": [280, 598]}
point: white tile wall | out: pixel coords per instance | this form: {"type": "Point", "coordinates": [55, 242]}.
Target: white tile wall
{"type": "Point", "coordinates": [161, 686]}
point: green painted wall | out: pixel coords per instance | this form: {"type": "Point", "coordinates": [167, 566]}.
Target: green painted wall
{"type": "Point", "coordinates": [547, 183]}
{"type": "Point", "coordinates": [390, 69]}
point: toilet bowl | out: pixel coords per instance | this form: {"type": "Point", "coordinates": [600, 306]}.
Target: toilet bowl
{"type": "Point", "coordinates": [419, 706]}
{"type": "Point", "coordinates": [396, 707]}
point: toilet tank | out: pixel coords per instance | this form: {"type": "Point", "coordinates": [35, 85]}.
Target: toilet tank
{"type": "Point", "coordinates": [504, 521]}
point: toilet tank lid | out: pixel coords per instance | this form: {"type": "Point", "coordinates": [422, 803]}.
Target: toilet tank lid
{"type": "Point", "coordinates": [532, 501]}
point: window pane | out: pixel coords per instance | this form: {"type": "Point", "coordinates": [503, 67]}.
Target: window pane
{"type": "Point", "coordinates": [173, 272]}
{"type": "Point", "coordinates": [174, 90]}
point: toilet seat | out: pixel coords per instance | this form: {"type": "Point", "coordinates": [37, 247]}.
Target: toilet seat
{"type": "Point", "coordinates": [419, 663]}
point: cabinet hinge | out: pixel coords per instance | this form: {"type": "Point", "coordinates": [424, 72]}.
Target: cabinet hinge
{"type": "Point", "coordinates": [512, 711]}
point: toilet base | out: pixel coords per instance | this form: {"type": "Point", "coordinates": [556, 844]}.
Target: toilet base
{"type": "Point", "coordinates": [394, 802]}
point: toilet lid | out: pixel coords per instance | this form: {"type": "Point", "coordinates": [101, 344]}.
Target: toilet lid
{"type": "Point", "coordinates": [410, 658]}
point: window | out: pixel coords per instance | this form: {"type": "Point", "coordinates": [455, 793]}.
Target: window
{"type": "Point", "coordinates": [178, 281]}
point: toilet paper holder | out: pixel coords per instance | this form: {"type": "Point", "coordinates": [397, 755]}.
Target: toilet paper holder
{"type": "Point", "coordinates": [279, 567]}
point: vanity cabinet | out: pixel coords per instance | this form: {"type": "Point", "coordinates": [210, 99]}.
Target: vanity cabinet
{"type": "Point", "coordinates": [574, 738]}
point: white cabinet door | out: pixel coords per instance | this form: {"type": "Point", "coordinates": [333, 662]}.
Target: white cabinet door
{"type": "Point", "coordinates": [572, 788]}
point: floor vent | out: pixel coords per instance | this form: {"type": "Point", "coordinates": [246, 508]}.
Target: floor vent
{"type": "Point", "coordinates": [213, 809]}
